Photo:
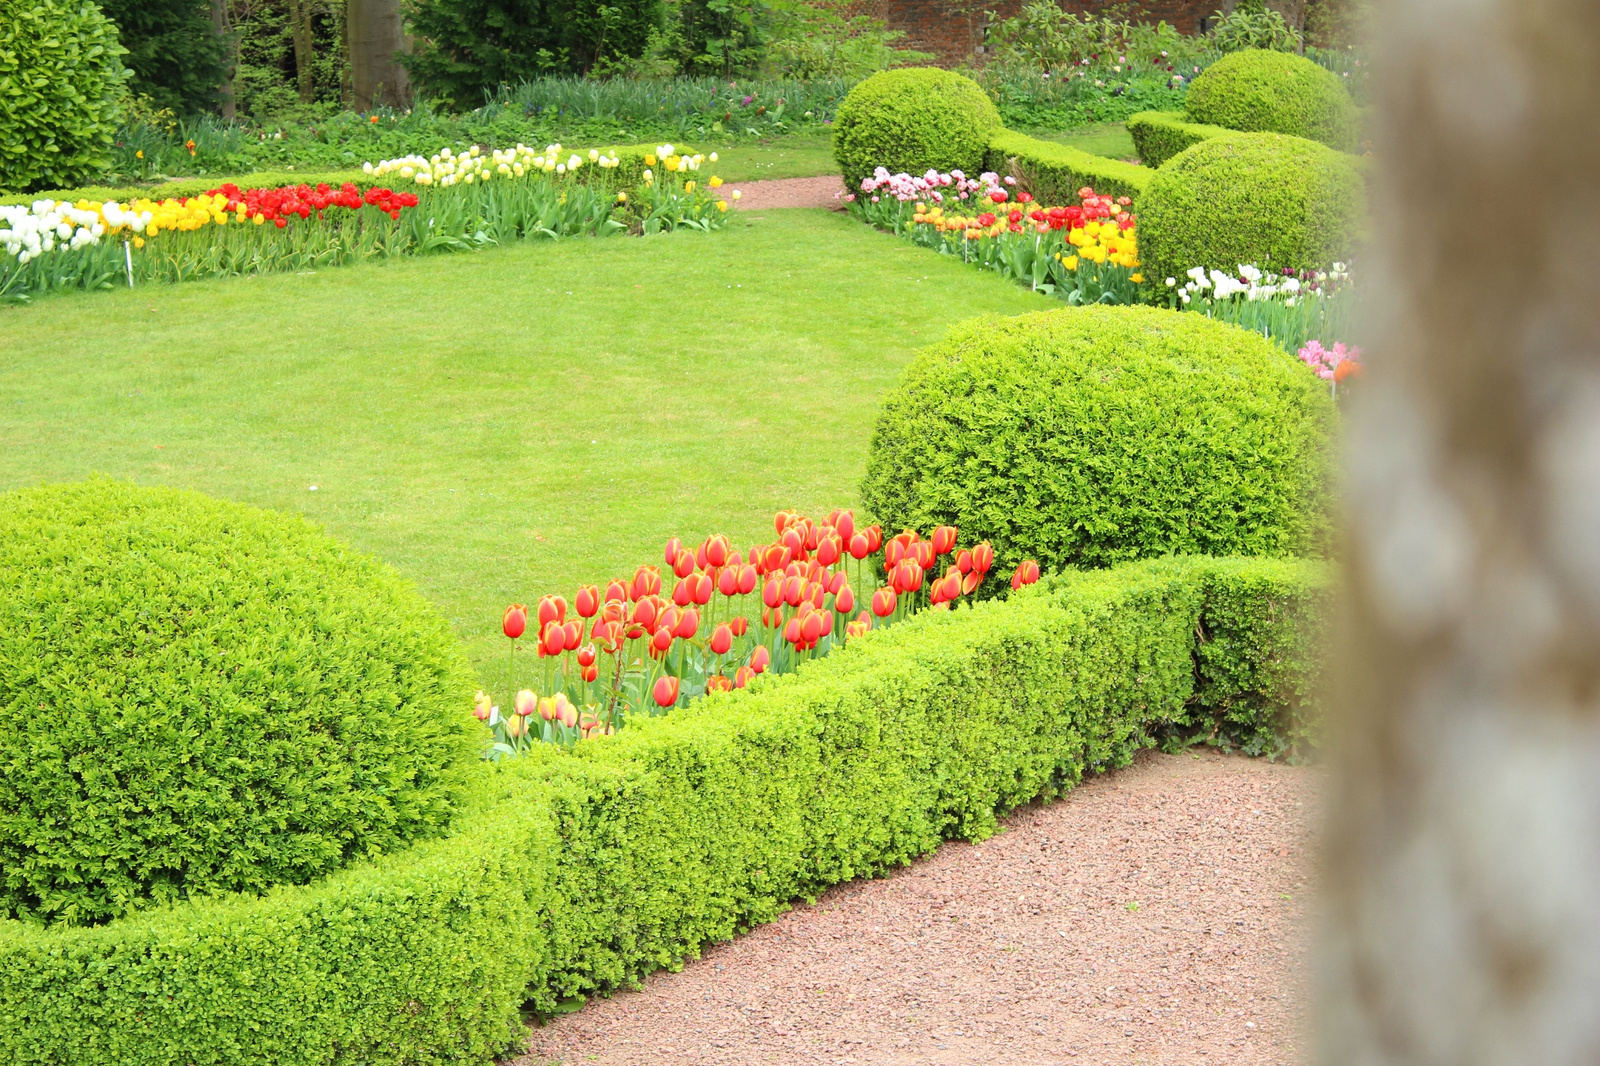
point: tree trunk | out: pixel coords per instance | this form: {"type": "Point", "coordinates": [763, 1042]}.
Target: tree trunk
{"type": "Point", "coordinates": [1463, 859]}
{"type": "Point", "coordinates": [375, 34]}
{"type": "Point", "coordinates": [224, 27]}
{"type": "Point", "coordinates": [300, 30]}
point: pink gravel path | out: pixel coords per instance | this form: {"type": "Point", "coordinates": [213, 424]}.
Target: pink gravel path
{"type": "Point", "coordinates": [1154, 915]}
{"type": "Point", "coordinates": [788, 192]}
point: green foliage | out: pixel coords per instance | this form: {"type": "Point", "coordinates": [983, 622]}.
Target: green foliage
{"type": "Point", "coordinates": [831, 39]}
{"type": "Point", "coordinates": [63, 83]}
{"type": "Point", "coordinates": [1271, 92]}
{"type": "Point", "coordinates": [911, 120]}
{"type": "Point", "coordinates": [1278, 202]}
{"type": "Point", "coordinates": [1055, 172]}
{"type": "Point", "coordinates": [177, 57]}
{"type": "Point", "coordinates": [467, 49]}
{"type": "Point", "coordinates": [1160, 135]}
{"type": "Point", "coordinates": [581, 873]}
{"type": "Point", "coordinates": [197, 696]}
{"type": "Point", "coordinates": [1092, 436]}
{"type": "Point", "coordinates": [1251, 24]}
{"type": "Point", "coordinates": [266, 78]}
{"type": "Point", "coordinates": [1044, 38]}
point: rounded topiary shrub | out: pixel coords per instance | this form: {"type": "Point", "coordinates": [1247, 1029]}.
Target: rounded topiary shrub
{"type": "Point", "coordinates": [59, 62]}
{"type": "Point", "coordinates": [1263, 198]}
{"type": "Point", "coordinates": [1275, 92]}
{"type": "Point", "coordinates": [910, 120]}
{"type": "Point", "coordinates": [1091, 436]}
{"type": "Point", "coordinates": [198, 696]}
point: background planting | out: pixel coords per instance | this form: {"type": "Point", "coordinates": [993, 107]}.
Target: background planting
{"type": "Point", "coordinates": [912, 120]}
{"type": "Point", "coordinates": [1092, 436]}
{"type": "Point", "coordinates": [1275, 92]}
{"type": "Point", "coordinates": [198, 696]}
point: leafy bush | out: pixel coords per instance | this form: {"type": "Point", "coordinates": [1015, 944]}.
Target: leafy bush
{"type": "Point", "coordinates": [1054, 173]}
{"type": "Point", "coordinates": [1042, 37]}
{"type": "Point", "coordinates": [1091, 436]}
{"type": "Point", "coordinates": [1271, 92]}
{"type": "Point", "coordinates": [177, 57]}
{"type": "Point", "coordinates": [1251, 24]}
{"type": "Point", "coordinates": [1160, 135]}
{"type": "Point", "coordinates": [63, 83]}
{"type": "Point", "coordinates": [913, 119]}
{"type": "Point", "coordinates": [1278, 202]}
{"type": "Point", "coordinates": [197, 696]}
{"type": "Point", "coordinates": [575, 874]}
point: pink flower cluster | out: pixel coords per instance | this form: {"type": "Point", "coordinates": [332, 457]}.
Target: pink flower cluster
{"type": "Point", "coordinates": [931, 186]}
{"type": "Point", "coordinates": [1335, 365]}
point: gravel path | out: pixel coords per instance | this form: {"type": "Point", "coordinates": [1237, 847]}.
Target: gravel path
{"type": "Point", "coordinates": [1154, 915]}
{"type": "Point", "coordinates": [789, 192]}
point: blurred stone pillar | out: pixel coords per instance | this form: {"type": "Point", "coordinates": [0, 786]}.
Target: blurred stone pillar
{"type": "Point", "coordinates": [1463, 860]}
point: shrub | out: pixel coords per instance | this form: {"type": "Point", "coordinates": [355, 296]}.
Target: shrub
{"type": "Point", "coordinates": [177, 57]}
{"type": "Point", "coordinates": [1273, 92]}
{"type": "Point", "coordinates": [62, 78]}
{"type": "Point", "coordinates": [581, 873]}
{"type": "Point", "coordinates": [913, 119]}
{"type": "Point", "coordinates": [1278, 202]}
{"type": "Point", "coordinates": [197, 696]}
{"type": "Point", "coordinates": [1160, 135]}
{"type": "Point", "coordinates": [1251, 24]}
{"type": "Point", "coordinates": [1054, 173]}
{"type": "Point", "coordinates": [1091, 436]}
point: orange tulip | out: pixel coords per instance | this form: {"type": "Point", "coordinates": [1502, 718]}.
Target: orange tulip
{"type": "Point", "coordinates": [747, 579]}
{"type": "Point", "coordinates": [552, 639]}
{"type": "Point", "coordinates": [883, 602]}
{"type": "Point", "coordinates": [662, 640]}
{"type": "Point", "coordinates": [587, 601]}
{"type": "Point", "coordinates": [812, 628]}
{"type": "Point", "coordinates": [645, 612]}
{"type": "Point", "coordinates": [587, 655]}
{"type": "Point", "coordinates": [836, 581]}
{"type": "Point", "coordinates": [964, 561]}
{"type": "Point", "coordinates": [860, 548]}
{"type": "Point", "coordinates": [970, 583]}
{"type": "Point", "coordinates": [740, 626]}
{"type": "Point", "coordinates": [983, 557]}
{"type": "Point", "coordinates": [893, 554]}
{"type": "Point", "coordinates": [670, 555]}
{"type": "Point", "coordinates": [721, 639]}
{"type": "Point", "coordinates": [844, 601]}
{"type": "Point", "coordinates": [922, 552]}
{"type": "Point", "coordinates": [683, 565]}
{"type": "Point", "coordinates": [701, 591]}
{"type": "Point", "coordinates": [944, 540]}
{"type": "Point", "coordinates": [781, 521]}
{"type": "Point", "coordinates": [828, 550]}
{"type": "Point", "coordinates": [718, 683]}
{"type": "Point", "coordinates": [1027, 573]}
{"type": "Point", "coordinates": [772, 592]}
{"type": "Point", "coordinates": [794, 589]}
{"type": "Point", "coordinates": [591, 673]}
{"type": "Point", "coordinates": [760, 659]}
{"type": "Point", "coordinates": [515, 621]}
{"type": "Point", "coordinates": [551, 609]}
{"type": "Point", "coordinates": [874, 538]}
{"type": "Point", "coordinates": [728, 582]}
{"type": "Point", "coordinates": [791, 632]}
{"type": "Point", "coordinates": [743, 676]}
{"type": "Point", "coordinates": [573, 632]}
{"type": "Point", "coordinates": [717, 549]}
{"type": "Point", "coordinates": [646, 582]}
{"type": "Point", "coordinates": [665, 691]}
{"type": "Point", "coordinates": [688, 625]}
{"type": "Point", "coordinates": [793, 541]}
{"type": "Point", "coordinates": [845, 525]}
{"type": "Point", "coordinates": [616, 590]}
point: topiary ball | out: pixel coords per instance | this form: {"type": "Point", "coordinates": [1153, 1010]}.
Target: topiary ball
{"type": "Point", "coordinates": [1091, 436]}
{"type": "Point", "coordinates": [910, 120]}
{"type": "Point", "coordinates": [65, 83]}
{"type": "Point", "coordinates": [198, 696]}
{"type": "Point", "coordinates": [1275, 92]}
{"type": "Point", "coordinates": [1263, 198]}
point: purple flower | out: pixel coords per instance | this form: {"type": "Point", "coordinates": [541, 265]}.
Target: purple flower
{"type": "Point", "coordinates": [747, 100]}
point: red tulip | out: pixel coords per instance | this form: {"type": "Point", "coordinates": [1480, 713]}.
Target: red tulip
{"type": "Point", "coordinates": [551, 609]}
{"type": "Point", "coordinates": [591, 672]}
{"type": "Point", "coordinates": [614, 611]}
{"type": "Point", "coordinates": [747, 579]}
{"type": "Point", "coordinates": [836, 581]}
{"type": "Point", "coordinates": [683, 565]}
{"type": "Point", "coordinates": [883, 602]}
{"type": "Point", "coordinates": [828, 550]}
{"type": "Point", "coordinates": [728, 581]}
{"type": "Point", "coordinates": [844, 601]}
{"type": "Point", "coordinates": [718, 683]}
{"type": "Point", "coordinates": [616, 590]}
{"type": "Point", "coordinates": [893, 554]}
{"type": "Point", "coordinates": [813, 627]}
{"type": "Point", "coordinates": [874, 538]}
{"type": "Point", "coordinates": [665, 691]}
{"type": "Point", "coordinates": [964, 561]}
{"type": "Point", "coordinates": [970, 583]}
{"type": "Point", "coordinates": [845, 525]}
{"type": "Point", "coordinates": [950, 586]}
{"type": "Point", "coordinates": [740, 626]}
{"type": "Point", "coordinates": [772, 592]}
{"type": "Point", "coordinates": [683, 591]}
{"type": "Point", "coordinates": [791, 632]}
{"type": "Point", "coordinates": [688, 625]}
{"type": "Point", "coordinates": [717, 549]}
{"type": "Point", "coordinates": [983, 557]}
{"type": "Point", "coordinates": [816, 592]}
{"type": "Point", "coordinates": [772, 617]}
{"type": "Point", "coordinates": [515, 621]}
{"type": "Point", "coordinates": [743, 676]}
{"type": "Point", "coordinates": [586, 655]}
{"type": "Point", "coordinates": [922, 552]}
{"type": "Point", "coordinates": [781, 520]}
{"type": "Point", "coordinates": [587, 601]}
{"type": "Point", "coordinates": [796, 544]}
{"type": "Point", "coordinates": [721, 639]}
{"type": "Point", "coordinates": [944, 540]}
{"type": "Point", "coordinates": [777, 557]}
{"type": "Point", "coordinates": [1027, 573]}
{"type": "Point", "coordinates": [645, 612]}
{"type": "Point", "coordinates": [573, 631]}
{"type": "Point", "coordinates": [760, 659]}
{"type": "Point", "coordinates": [813, 536]}
{"type": "Point", "coordinates": [609, 634]}
{"type": "Point", "coordinates": [667, 619]}
{"type": "Point", "coordinates": [907, 576]}
{"type": "Point", "coordinates": [646, 582]}
{"type": "Point", "coordinates": [674, 546]}
{"type": "Point", "coordinates": [735, 559]}
{"type": "Point", "coordinates": [552, 639]}
{"type": "Point", "coordinates": [794, 589]}
{"type": "Point", "coordinates": [662, 640]}
{"type": "Point", "coordinates": [859, 546]}
{"type": "Point", "coordinates": [702, 589]}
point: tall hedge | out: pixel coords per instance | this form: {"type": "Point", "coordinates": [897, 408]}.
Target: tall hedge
{"type": "Point", "coordinates": [1093, 436]}
{"type": "Point", "coordinates": [198, 697]}
{"type": "Point", "coordinates": [1264, 198]}
{"type": "Point", "coordinates": [579, 873]}
{"type": "Point", "coordinates": [1257, 91]}
{"type": "Point", "coordinates": [62, 80]}
{"type": "Point", "coordinates": [1054, 173]}
{"type": "Point", "coordinates": [913, 119]}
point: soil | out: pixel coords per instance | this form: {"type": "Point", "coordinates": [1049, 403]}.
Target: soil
{"type": "Point", "coordinates": [789, 192]}
{"type": "Point", "coordinates": [1155, 914]}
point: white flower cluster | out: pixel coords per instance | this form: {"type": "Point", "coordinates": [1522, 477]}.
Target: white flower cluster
{"type": "Point", "coordinates": [1251, 283]}
{"type": "Point", "coordinates": [28, 232]}
{"type": "Point", "coordinates": [448, 168]}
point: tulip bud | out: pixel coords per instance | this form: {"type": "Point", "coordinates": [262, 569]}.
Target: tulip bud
{"type": "Point", "coordinates": [883, 602]}
{"type": "Point", "coordinates": [683, 592]}
{"type": "Point", "coordinates": [616, 591]}
{"type": "Point", "coordinates": [728, 582]}
{"type": "Point", "coordinates": [944, 540]}
{"type": "Point", "coordinates": [662, 640]}
{"type": "Point", "coordinates": [645, 612]}
{"type": "Point", "coordinates": [591, 672]}
{"type": "Point", "coordinates": [587, 655]}
{"type": "Point", "coordinates": [717, 549]}
{"type": "Point", "coordinates": [721, 639]}
{"type": "Point", "coordinates": [844, 601]}
{"type": "Point", "coordinates": [674, 548]}
{"type": "Point", "coordinates": [772, 594]}
{"type": "Point", "coordinates": [983, 557]}
{"type": "Point", "coordinates": [688, 625]}
{"type": "Point", "coordinates": [743, 676]}
{"type": "Point", "coordinates": [760, 659]}
{"type": "Point", "coordinates": [828, 550]}
{"type": "Point", "coordinates": [525, 702]}
{"type": "Point", "coordinates": [859, 548]}
{"type": "Point", "coordinates": [964, 561]}
{"type": "Point", "coordinates": [844, 524]}
{"type": "Point", "coordinates": [573, 631]}
{"type": "Point", "coordinates": [811, 629]}
{"type": "Point", "coordinates": [665, 691]}
{"type": "Point", "coordinates": [892, 555]}
{"type": "Point", "coordinates": [587, 601]}
{"type": "Point", "coordinates": [747, 579]}
{"type": "Point", "coordinates": [515, 621]}
{"type": "Point", "coordinates": [683, 565]}
{"type": "Point", "coordinates": [740, 626]}
{"type": "Point", "coordinates": [481, 706]}
{"type": "Point", "coordinates": [702, 589]}
{"type": "Point", "coordinates": [552, 640]}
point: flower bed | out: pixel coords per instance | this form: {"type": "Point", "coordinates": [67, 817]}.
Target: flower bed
{"type": "Point", "coordinates": [583, 872]}
{"type": "Point", "coordinates": [461, 202]}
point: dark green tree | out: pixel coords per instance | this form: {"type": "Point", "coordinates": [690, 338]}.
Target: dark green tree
{"type": "Point", "coordinates": [177, 57]}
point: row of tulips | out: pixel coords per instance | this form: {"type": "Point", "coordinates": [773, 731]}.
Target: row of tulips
{"type": "Point", "coordinates": [639, 646]}
{"type": "Point", "coordinates": [231, 231]}
{"type": "Point", "coordinates": [1083, 253]}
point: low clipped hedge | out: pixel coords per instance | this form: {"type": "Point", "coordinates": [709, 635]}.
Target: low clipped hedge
{"type": "Point", "coordinates": [1263, 198]}
{"type": "Point", "coordinates": [1259, 91]}
{"type": "Point", "coordinates": [200, 697]}
{"type": "Point", "coordinates": [913, 119]}
{"type": "Point", "coordinates": [1054, 173]}
{"type": "Point", "coordinates": [1160, 135]}
{"type": "Point", "coordinates": [1098, 435]}
{"type": "Point", "coordinates": [581, 873]}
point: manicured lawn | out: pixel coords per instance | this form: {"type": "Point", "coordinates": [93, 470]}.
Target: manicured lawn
{"type": "Point", "coordinates": [800, 156]}
{"type": "Point", "coordinates": [1111, 140]}
{"type": "Point", "coordinates": [505, 423]}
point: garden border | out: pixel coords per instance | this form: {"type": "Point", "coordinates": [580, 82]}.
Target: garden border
{"type": "Point", "coordinates": [1054, 173]}
{"type": "Point", "coordinates": [577, 873]}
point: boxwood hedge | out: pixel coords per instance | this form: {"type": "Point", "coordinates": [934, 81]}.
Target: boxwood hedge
{"type": "Point", "coordinates": [574, 874]}
{"type": "Point", "coordinates": [1160, 135]}
{"type": "Point", "coordinates": [1054, 173]}
{"type": "Point", "coordinates": [911, 120]}
{"type": "Point", "coordinates": [198, 697]}
{"type": "Point", "coordinates": [1258, 91]}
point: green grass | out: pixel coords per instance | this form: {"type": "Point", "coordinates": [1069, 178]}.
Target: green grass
{"type": "Point", "coordinates": [798, 156]}
{"type": "Point", "coordinates": [1111, 140]}
{"type": "Point", "coordinates": [507, 423]}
